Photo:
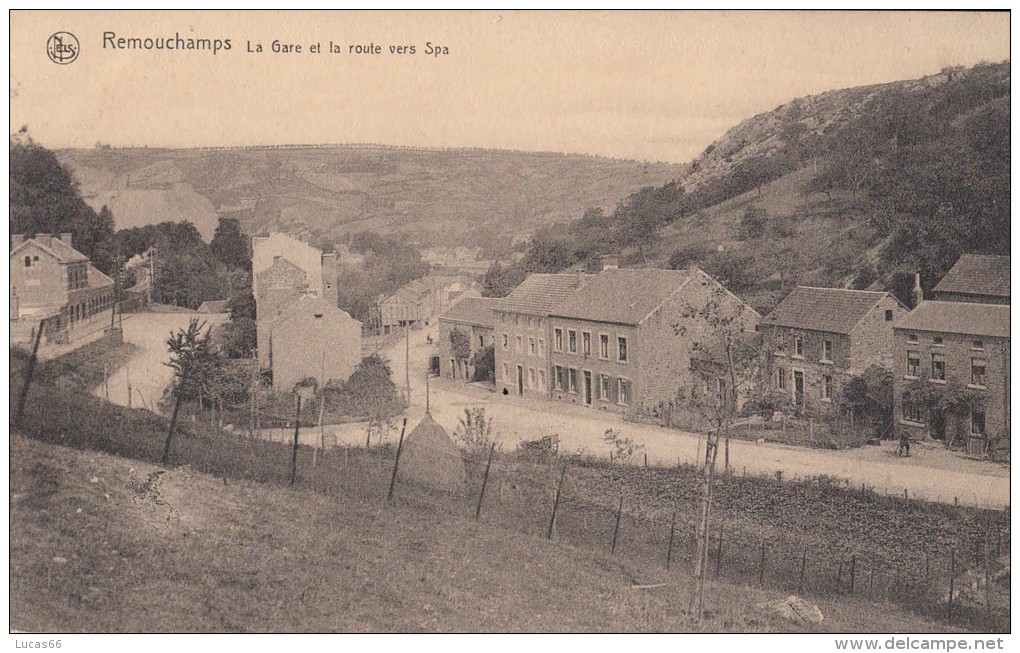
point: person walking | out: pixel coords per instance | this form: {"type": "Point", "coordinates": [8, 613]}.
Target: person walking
{"type": "Point", "coordinates": [904, 445]}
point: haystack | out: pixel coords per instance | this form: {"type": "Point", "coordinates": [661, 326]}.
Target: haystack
{"type": "Point", "coordinates": [430, 458]}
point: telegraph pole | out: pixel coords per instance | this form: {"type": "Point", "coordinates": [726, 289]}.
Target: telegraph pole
{"type": "Point", "coordinates": [407, 356]}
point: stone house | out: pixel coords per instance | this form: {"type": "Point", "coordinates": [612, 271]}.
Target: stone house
{"type": "Point", "coordinates": [951, 380]}
{"type": "Point", "coordinates": [820, 338]}
{"type": "Point", "coordinates": [473, 317]}
{"type": "Point", "coordinates": [279, 286]}
{"type": "Point", "coordinates": [311, 338]}
{"type": "Point", "coordinates": [624, 340]}
{"type": "Point", "coordinates": [54, 284]}
{"type": "Point", "coordinates": [522, 332]}
{"type": "Point", "coordinates": [321, 269]}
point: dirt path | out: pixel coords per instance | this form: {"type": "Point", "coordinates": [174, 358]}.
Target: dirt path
{"type": "Point", "coordinates": [932, 473]}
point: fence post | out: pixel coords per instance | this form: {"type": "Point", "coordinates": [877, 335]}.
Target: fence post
{"type": "Point", "coordinates": [28, 378]}
{"type": "Point", "coordinates": [396, 462]}
{"type": "Point", "coordinates": [672, 532]}
{"type": "Point", "coordinates": [988, 577]}
{"type": "Point", "coordinates": [952, 579]}
{"type": "Point", "coordinates": [556, 504]}
{"type": "Point", "coordinates": [297, 429]}
{"type": "Point", "coordinates": [718, 552]}
{"type": "Point", "coordinates": [347, 454]}
{"type": "Point", "coordinates": [839, 573]}
{"type": "Point", "coordinates": [646, 461]}
{"type": "Point", "coordinates": [485, 481]}
{"type": "Point", "coordinates": [803, 568]}
{"type": "Point", "coordinates": [761, 566]}
{"type": "Point", "coordinates": [853, 572]}
{"type": "Point", "coordinates": [616, 528]}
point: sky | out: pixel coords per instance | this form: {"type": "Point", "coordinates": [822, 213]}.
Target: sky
{"type": "Point", "coordinates": [645, 85]}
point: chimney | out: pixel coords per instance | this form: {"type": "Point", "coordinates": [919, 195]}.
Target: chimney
{"type": "Point", "coordinates": [330, 277]}
{"type": "Point", "coordinates": [66, 237]}
{"type": "Point", "coordinates": [610, 262]}
{"type": "Point", "coordinates": [16, 240]}
{"type": "Point", "coordinates": [917, 294]}
{"type": "Point", "coordinates": [43, 239]}
{"type": "Point", "coordinates": [693, 269]}
{"type": "Point", "coordinates": [276, 259]}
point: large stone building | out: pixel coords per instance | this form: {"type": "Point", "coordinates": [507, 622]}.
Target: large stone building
{"type": "Point", "coordinates": [418, 301]}
{"type": "Point", "coordinates": [624, 340]}
{"type": "Point", "coordinates": [53, 284]}
{"type": "Point", "coordinates": [311, 338]}
{"type": "Point", "coordinates": [522, 332]}
{"type": "Point", "coordinates": [472, 317]}
{"type": "Point", "coordinates": [951, 379]}
{"type": "Point", "coordinates": [321, 269]}
{"type": "Point", "coordinates": [819, 338]}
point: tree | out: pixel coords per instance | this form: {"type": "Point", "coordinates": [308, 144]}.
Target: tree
{"type": "Point", "coordinates": [500, 280]}
{"type": "Point", "coordinates": [193, 362]}
{"type": "Point", "coordinates": [460, 344]}
{"type": "Point", "coordinates": [484, 362]}
{"type": "Point", "coordinates": [230, 245]}
{"type": "Point", "coordinates": [45, 199]}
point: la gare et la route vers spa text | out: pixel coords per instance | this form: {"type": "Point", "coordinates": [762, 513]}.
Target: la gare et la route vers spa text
{"type": "Point", "coordinates": [177, 42]}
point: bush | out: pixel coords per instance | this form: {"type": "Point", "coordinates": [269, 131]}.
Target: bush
{"type": "Point", "coordinates": [484, 362]}
{"type": "Point", "coordinates": [623, 448]}
{"type": "Point", "coordinates": [474, 430]}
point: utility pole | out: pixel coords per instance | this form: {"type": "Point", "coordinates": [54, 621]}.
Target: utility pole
{"type": "Point", "coordinates": [252, 393]}
{"type": "Point", "coordinates": [407, 356]}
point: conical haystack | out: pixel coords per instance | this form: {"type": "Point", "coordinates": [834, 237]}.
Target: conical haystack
{"type": "Point", "coordinates": [430, 458]}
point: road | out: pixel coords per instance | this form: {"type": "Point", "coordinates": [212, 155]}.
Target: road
{"type": "Point", "coordinates": [932, 473]}
{"type": "Point", "coordinates": [146, 372]}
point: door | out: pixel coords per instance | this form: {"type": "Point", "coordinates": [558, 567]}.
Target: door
{"type": "Point", "coordinates": [520, 380]}
{"type": "Point", "coordinates": [587, 388]}
{"type": "Point", "coordinates": [798, 388]}
{"type": "Point", "coordinates": [937, 424]}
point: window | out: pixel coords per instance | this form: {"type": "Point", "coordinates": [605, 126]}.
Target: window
{"type": "Point", "coordinates": [977, 344]}
{"type": "Point", "coordinates": [558, 379]}
{"type": "Point", "coordinates": [977, 418]}
{"type": "Point", "coordinates": [557, 339]}
{"type": "Point", "coordinates": [573, 380]}
{"type": "Point", "coordinates": [541, 347]}
{"type": "Point", "coordinates": [572, 341]}
{"type": "Point", "coordinates": [937, 340]}
{"type": "Point", "coordinates": [541, 380]}
{"type": "Point", "coordinates": [28, 261]}
{"type": "Point", "coordinates": [798, 346]}
{"type": "Point", "coordinates": [913, 364]}
{"type": "Point", "coordinates": [517, 320]}
{"type": "Point", "coordinates": [888, 315]}
{"type": "Point", "coordinates": [624, 397]}
{"type": "Point", "coordinates": [621, 348]}
{"type": "Point", "coordinates": [826, 351]}
{"type": "Point", "coordinates": [604, 346]}
{"type": "Point", "coordinates": [826, 387]}
{"type": "Point", "coordinates": [586, 343]}
{"type": "Point", "coordinates": [531, 323]}
{"type": "Point", "coordinates": [481, 341]}
{"type": "Point", "coordinates": [506, 372]}
{"type": "Point", "coordinates": [604, 387]}
{"type": "Point", "coordinates": [532, 378]}
{"type": "Point", "coordinates": [781, 378]}
{"type": "Point", "coordinates": [912, 337]}
{"type": "Point", "coordinates": [539, 323]}
{"type": "Point", "coordinates": [938, 367]}
{"type": "Point", "coordinates": [532, 347]}
{"type": "Point", "coordinates": [911, 409]}
{"type": "Point", "coordinates": [977, 372]}
{"type": "Point", "coordinates": [519, 344]}
{"type": "Point", "coordinates": [506, 341]}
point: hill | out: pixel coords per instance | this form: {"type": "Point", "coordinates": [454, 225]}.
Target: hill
{"type": "Point", "coordinates": [442, 196]}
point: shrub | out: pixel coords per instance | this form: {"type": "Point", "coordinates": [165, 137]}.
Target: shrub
{"type": "Point", "coordinates": [623, 448]}
{"type": "Point", "coordinates": [474, 430]}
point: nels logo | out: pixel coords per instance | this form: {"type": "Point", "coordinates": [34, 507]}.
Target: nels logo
{"type": "Point", "coordinates": [62, 48]}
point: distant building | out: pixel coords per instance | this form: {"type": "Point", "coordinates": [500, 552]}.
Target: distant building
{"type": "Point", "coordinates": [418, 301]}
{"type": "Point", "coordinates": [311, 338]}
{"type": "Point", "coordinates": [975, 278]}
{"type": "Point", "coordinates": [473, 317]}
{"type": "Point", "coordinates": [522, 332]}
{"type": "Point", "coordinates": [321, 270]}
{"type": "Point", "coordinates": [624, 340]}
{"type": "Point", "coordinates": [819, 338]}
{"type": "Point", "coordinates": [279, 286]}
{"type": "Point", "coordinates": [215, 306]}
{"type": "Point", "coordinates": [53, 284]}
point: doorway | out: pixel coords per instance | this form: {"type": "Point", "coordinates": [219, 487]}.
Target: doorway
{"type": "Point", "coordinates": [798, 388]}
{"type": "Point", "coordinates": [587, 388]}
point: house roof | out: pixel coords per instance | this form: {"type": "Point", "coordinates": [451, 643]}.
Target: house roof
{"type": "Point", "coordinates": [967, 318]}
{"type": "Point", "coordinates": [471, 310]}
{"type": "Point", "coordinates": [97, 279]}
{"type": "Point", "coordinates": [541, 294]}
{"type": "Point", "coordinates": [53, 245]}
{"type": "Point", "coordinates": [834, 310]}
{"type": "Point", "coordinates": [623, 296]}
{"type": "Point", "coordinates": [977, 274]}
{"type": "Point", "coordinates": [307, 303]}
{"type": "Point", "coordinates": [282, 272]}
{"type": "Point", "coordinates": [215, 306]}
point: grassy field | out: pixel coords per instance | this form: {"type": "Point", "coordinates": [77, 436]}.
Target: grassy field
{"type": "Point", "coordinates": [101, 543]}
{"type": "Point", "coordinates": [899, 549]}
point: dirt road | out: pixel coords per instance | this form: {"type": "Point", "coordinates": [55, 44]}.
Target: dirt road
{"type": "Point", "coordinates": [932, 473]}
